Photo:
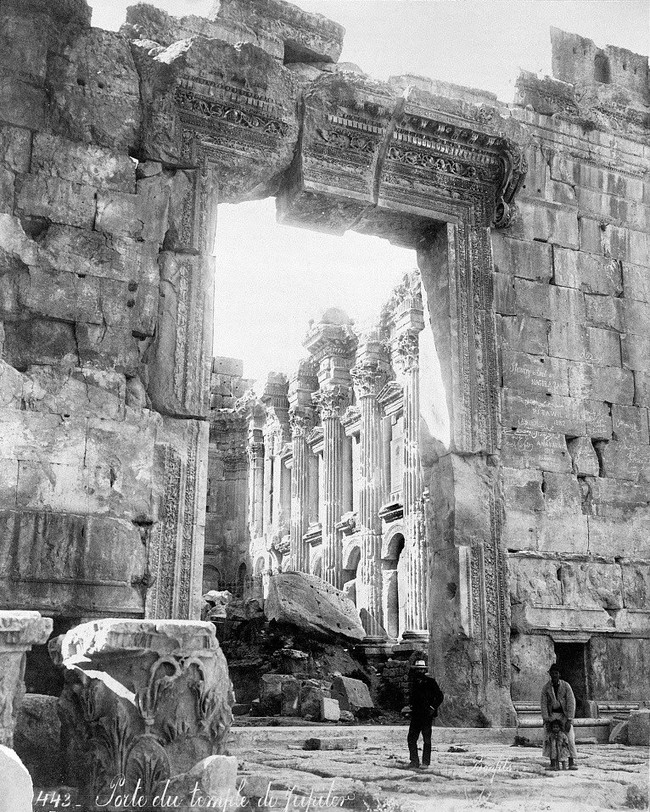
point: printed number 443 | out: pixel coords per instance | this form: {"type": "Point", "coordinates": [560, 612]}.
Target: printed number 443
{"type": "Point", "coordinates": [53, 799]}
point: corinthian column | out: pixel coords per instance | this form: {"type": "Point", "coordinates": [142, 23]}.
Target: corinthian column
{"type": "Point", "coordinates": [301, 420]}
{"type": "Point", "coordinates": [331, 402]}
{"type": "Point", "coordinates": [256, 488]}
{"type": "Point", "coordinates": [331, 343]}
{"type": "Point", "coordinates": [407, 362]}
{"type": "Point", "coordinates": [300, 425]}
{"type": "Point", "coordinates": [369, 376]}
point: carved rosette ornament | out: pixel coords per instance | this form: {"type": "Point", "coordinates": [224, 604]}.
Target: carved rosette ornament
{"type": "Point", "coordinates": [143, 702]}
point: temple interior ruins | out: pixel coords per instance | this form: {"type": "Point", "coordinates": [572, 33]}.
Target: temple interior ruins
{"type": "Point", "coordinates": [467, 480]}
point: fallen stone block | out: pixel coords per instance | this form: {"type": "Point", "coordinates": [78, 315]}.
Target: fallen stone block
{"type": "Point", "coordinates": [271, 686]}
{"type": "Point", "coordinates": [344, 743]}
{"type": "Point", "coordinates": [311, 604]}
{"type": "Point", "coordinates": [330, 710]}
{"type": "Point", "coordinates": [312, 692]}
{"type": "Point", "coordinates": [353, 695]}
{"type": "Point", "coordinates": [619, 734]}
{"type": "Point", "coordinates": [638, 731]}
{"type": "Point", "coordinates": [290, 698]}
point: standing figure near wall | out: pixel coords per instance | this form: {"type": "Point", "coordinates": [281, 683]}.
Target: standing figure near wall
{"type": "Point", "coordinates": [558, 706]}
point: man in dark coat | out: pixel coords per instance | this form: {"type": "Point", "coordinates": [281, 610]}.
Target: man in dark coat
{"type": "Point", "coordinates": [426, 697]}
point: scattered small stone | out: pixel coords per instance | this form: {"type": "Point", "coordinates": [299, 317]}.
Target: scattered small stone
{"type": "Point", "coordinates": [343, 743]}
{"type": "Point", "coordinates": [455, 749]}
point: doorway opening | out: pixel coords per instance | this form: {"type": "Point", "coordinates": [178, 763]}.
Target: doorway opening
{"type": "Point", "coordinates": [572, 660]}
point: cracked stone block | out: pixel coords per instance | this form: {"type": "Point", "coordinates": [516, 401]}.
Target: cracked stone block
{"type": "Point", "coordinates": [82, 163]}
{"type": "Point", "coordinates": [144, 21]}
{"type": "Point", "coordinates": [583, 456]}
{"type": "Point", "coordinates": [307, 37]}
{"type": "Point", "coordinates": [58, 200]}
{"type": "Point", "coordinates": [95, 94]}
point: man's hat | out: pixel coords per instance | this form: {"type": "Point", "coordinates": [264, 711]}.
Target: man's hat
{"type": "Point", "coordinates": [554, 667]}
{"type": "Point", "coordinates": [420, 664]}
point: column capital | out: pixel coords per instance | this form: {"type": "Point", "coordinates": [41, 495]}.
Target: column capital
{"type": "Point", "coordinates": [406, 351]}
{"type": "Point", "coordinates": [331, 401]}
{"type": "Point", "coordinates": [369, 378]}
{"type": "Point", "coordinates": [301, 420]}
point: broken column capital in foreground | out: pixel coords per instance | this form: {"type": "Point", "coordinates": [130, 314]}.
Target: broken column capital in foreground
{"type": "Point", "coordinates": [144, 701]}
{"type": "Point", "coordinates": [19, 631]}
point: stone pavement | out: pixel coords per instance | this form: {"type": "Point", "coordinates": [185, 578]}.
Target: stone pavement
{"type": "Point", "coordinates": [470, 769]}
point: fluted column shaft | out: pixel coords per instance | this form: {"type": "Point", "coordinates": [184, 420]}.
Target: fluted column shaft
{"type": "Point", "coordinates": [416, 564]}
{"type": "Point", "coordinates": [299, 494]}
{"type": "Point", "coordinates": [256, 489]}
{"type": "Point", "coordinates": [332, 500]}
{"type": "Point", "coordinates": [331, 402]}
{"type": "Point", "coordinates": [370, 499]}
{"type": "Point", "coordinates": [369, 378]}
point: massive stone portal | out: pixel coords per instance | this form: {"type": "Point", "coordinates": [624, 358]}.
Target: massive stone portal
{"type": "Point", "coordinates": [116, 150]}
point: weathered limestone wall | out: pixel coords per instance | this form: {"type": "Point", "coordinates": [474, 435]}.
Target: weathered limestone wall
{"type": "Point", "coordinates": [102, 335]}
{"type": "Point", "coordinates": [573, 314]}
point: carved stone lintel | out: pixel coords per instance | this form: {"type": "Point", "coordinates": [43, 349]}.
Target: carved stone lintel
{"type": "Point", "coordinates": [146, 701]}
